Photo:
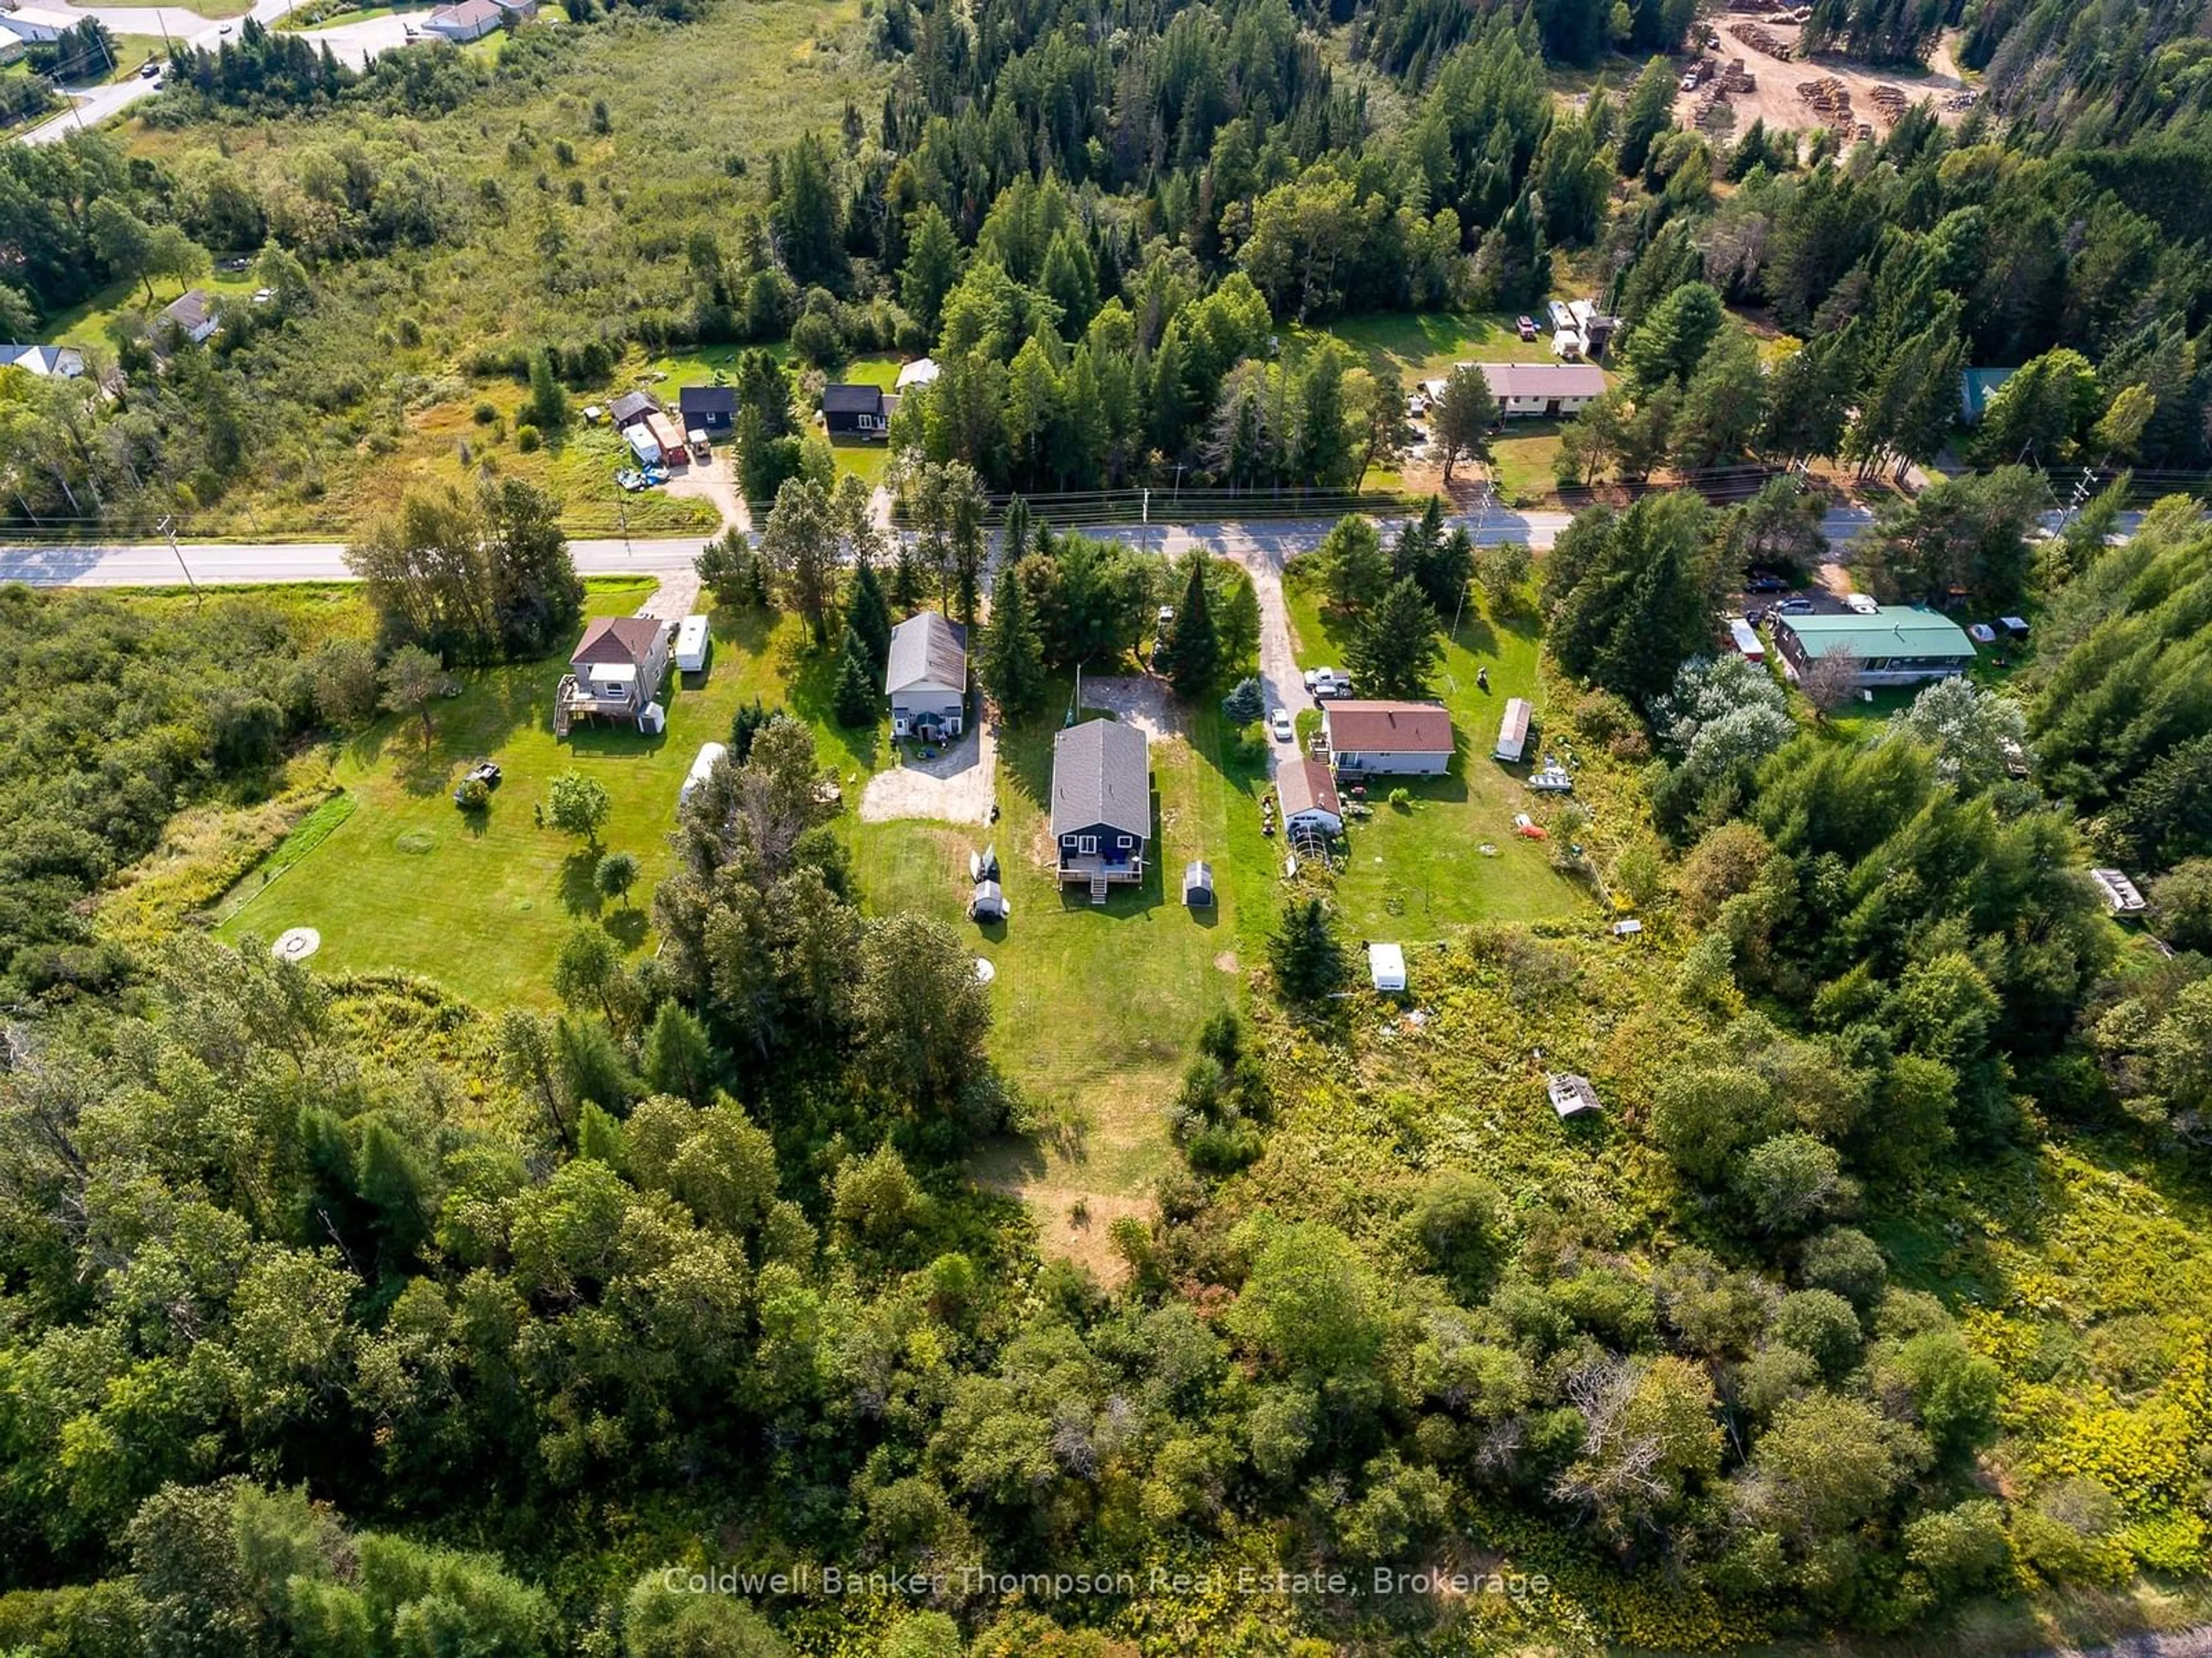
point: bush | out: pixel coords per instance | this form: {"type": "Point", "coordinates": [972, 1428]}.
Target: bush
{"type": "Point", "coordinates": [527, 437]}
{"type": "Point", "coordinates": [484, 414]}
{"type": "Point", "coordinates": [473, 795]}
{"type": "Point", "coordinates": [1402, 799]}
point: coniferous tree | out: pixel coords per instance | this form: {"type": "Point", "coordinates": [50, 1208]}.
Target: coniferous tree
{"type": "Point", "coordinates": [1398, 649]}
{"type": "Point", "coordinates": [1303, 951]}
{"type": "Point", "coordinates": [1190, 656]}
{"type": "Point", "coordinates": [1010, 666]}
{"type": "Point", "coordinates": [854, 698]}
{"type": "Point", "coordinates": [868, 614]}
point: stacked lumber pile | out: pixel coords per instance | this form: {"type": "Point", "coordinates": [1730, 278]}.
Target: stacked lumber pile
{"type": "Point", "coordinates": [1831, 100]}
{"type": "Point", "coordinates": [1759, 41]}
{"type": "Point", "coordinates": [1889, 103]}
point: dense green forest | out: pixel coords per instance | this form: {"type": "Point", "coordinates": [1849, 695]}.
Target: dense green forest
{"type": "Point", "coordinates": [339, 1317]}
{"type": "Point", "coordinates": [1124, 247]}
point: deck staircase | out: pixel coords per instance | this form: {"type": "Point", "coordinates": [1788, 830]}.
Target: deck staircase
{"type": "Point", "coordinates": [1098, 887]}
{"type": "Point", "coordinates": [560, 706]}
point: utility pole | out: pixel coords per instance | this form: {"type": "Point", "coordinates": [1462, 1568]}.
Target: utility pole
{"type": "Point", "coordinates": [621, 507]}
{"type": "Point", "coordinates": [169, 533]}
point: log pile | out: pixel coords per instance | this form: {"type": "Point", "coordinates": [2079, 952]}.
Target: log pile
{"type": "Point", "coordinates": [1831, 100]}
{"type": "Point", "coordinates": [1736, 78]}
{"type": "Point", "coordinates": [1889, 103]}
{"type": "Point", "coordinates": [1759, 41]}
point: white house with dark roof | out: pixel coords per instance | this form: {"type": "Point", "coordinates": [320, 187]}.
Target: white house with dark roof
{"type": "Point", "coordinates": [59, 362]}
{"type": "Point", "coordinates": [615, 671]}
{"type": "Point", "coordinates": [926, 677]}
{"type": "Point", "coordinates": [1102, 804]}
{"type": "Point", "coordinates": [192, 314]}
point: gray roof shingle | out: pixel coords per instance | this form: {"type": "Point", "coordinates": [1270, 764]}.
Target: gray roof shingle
{"type": "Point", "coordinates": [1101, 773]}
{"type": "Point", "coordinates": [927, 649]}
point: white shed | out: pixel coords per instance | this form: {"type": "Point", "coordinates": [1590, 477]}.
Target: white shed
{"type": "Point", "coordinates": [692, 644]}
{"type": "Point", "coordinates": [1386, 966]}
{"type": "Point", "coordinates": [700, 766]}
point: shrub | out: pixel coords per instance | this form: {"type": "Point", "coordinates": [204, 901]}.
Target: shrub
{"type": "Point", "coordinates": [484, 414]}
{"type": "Point", "coordinates": [527, 437]}
{"type": "Point", "coordinates": [1402, 799]}
{"type": "Point", "coordinates": [473, 795]}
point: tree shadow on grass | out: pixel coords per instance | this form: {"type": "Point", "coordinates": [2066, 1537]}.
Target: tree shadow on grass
{"type": "Point", "coordinates": [579, 893]}
{"type": "Point", "coordinates": [424, 769]}
{"type": "Point", "coordinates": [626, 926]}
{"type": "Point", "coordinates": [810, 676]}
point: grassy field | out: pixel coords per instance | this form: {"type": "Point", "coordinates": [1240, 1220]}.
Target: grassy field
{"type": "Point", "coordinates": [338, 16]}
{"type": "Point", "coordinates": [1417, 871]}
{"type": "Point", "coordinates": [1522, 460]}
{"type": "Point", "coordinates": [1426, 346]}
{"type": "Point", "coordinates": [197, 8]}
{"type": "Point", "coordinates": [88, 323]}
{"type": "Point", "coordinates": [690, 116]}
{"type": "Point", "coordinates": [405, 880]}
{"type": "Point", "coordinates": [1096, 1006]}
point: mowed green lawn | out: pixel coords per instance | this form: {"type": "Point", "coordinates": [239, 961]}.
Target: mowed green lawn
{"type": "Point", "coordinates": [1096, 1006]}
{"type": "Point", "coordinates": [481, 904]}
{"type": "Point", "coordinates": [1416, 872]}
{"type": "Point", "coordinates": [1424, 345]}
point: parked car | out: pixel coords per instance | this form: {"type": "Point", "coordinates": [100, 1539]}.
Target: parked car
{"type": "Point", "coordinates": [1794, 607]}
{"type": "Point", "coordinates": [1526, 326]}
{"type": "Point", "coordinates": [1861, 605]}
{"type": "Point", "coordinates": [1328, 682]}
{"type": "Point", "coordinates": [1765, 581]}
{"type": "Point", "coordinates": [630, 479]}
{"type": "Point", "coordinates": [151, 72]}
{"type": "Point", "coordinates": [1279, 723]}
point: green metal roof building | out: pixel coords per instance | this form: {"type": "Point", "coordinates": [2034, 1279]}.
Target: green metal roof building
{"type": "Point", "coordinates": [1897, 645]}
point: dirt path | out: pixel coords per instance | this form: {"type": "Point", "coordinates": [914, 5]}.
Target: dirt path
{"type": "Point", "coordinates": [956, 787]}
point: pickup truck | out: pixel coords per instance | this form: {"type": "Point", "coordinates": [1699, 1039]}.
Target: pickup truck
{"type": "Point", "coordinates": [1328, 682]}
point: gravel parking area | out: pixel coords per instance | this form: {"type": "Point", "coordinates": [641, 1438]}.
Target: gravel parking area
{"type": "Point", "coordinates": [956, 787]}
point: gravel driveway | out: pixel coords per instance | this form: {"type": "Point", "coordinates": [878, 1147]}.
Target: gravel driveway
{"type": "Point", "coordinates": [1278, 665]}
{"type": "Point", "coordinates": [956, 787]}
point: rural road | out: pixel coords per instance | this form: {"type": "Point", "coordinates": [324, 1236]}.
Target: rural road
{"type": "Point", "coordinates": [141, 564]}
{"type": "Point", "coordinates": [353, 44]}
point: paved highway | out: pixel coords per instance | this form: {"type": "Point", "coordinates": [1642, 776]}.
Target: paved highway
{"type": "Point", "coordinates": [229, 563]}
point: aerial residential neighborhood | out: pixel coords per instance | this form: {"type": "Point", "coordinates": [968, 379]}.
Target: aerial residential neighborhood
{"type": "Point", "coordinates": [908, 830]}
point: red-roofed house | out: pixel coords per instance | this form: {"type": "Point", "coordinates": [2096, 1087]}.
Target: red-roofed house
{"type": "Point", "coordinates": [1308, 792]}
{"type": "Point", "coordinates": [1403, 738]}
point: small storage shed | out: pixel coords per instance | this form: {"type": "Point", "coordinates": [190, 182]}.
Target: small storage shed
{"type": "Point", "coordinates": [1571, 1095]}
{"type": "Point", "coordinates": [692, 644]}
{"type": "Point", "coordinates": [1513, 732]}
{"type": "Point", "coordinates": [989, 903]}
{"type": "Point", "coordinates": [2122, 895]}
{"type": "Point", "coordinates": [703, 765]}
{"type": "Point", "coordinates": [1198, 885]}
{"type": "Point", "coordinates": [1745, 638]}
{"type": "Point", "coordinates": [1386, 966]}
